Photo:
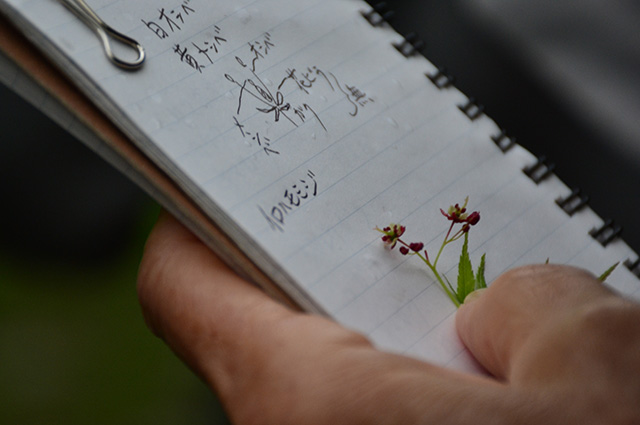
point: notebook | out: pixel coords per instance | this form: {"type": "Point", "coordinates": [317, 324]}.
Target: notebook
{"type": "Point", "coordinates": [283, 132]}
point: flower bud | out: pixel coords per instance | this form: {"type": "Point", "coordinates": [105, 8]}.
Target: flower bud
{"type": "Point", "coordinates": [416, 246]}
{"type": "Point", "coordinates": [473, 218]}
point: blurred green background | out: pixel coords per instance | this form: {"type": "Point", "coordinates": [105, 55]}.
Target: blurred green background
{"type": "Point", "coordinates": [74, 348]}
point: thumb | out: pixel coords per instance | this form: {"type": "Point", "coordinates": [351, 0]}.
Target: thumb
{"type": "Point", "coordinates": [520, 305]}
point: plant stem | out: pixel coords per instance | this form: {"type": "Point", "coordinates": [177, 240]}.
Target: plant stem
{"type": "Point", "coordinates": [444, 243]}
{"type": "Point", "coordinates": [445, 287]}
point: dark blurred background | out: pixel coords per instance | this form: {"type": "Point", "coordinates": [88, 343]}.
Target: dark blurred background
{"type": "Point", "coordinates": [73, 346]}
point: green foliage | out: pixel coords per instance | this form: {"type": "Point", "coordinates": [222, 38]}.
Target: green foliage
{"type": "Point", "coordinates": [607, 272]}
{"type": "Point", "coordinates": [467, 282]}
{"type": "Point", "coordinates": [481, 283]}
{"type": "Point", "coordinates": [75, 349]}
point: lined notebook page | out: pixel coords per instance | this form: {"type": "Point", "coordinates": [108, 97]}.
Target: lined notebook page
{"type": "Point", "coordinates": [299, 128]}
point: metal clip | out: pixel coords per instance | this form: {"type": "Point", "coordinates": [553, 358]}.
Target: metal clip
{"type": "Point", "coordinates": [105, 32]}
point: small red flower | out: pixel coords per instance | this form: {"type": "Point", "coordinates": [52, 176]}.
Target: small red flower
{"type": "Point", "coordinates": [416, 246]}
{"type": "Point", "coordinates": [453, 214]}
{"type": "Point", "coordinates": [391, 234]}
{"type": "Point", "coordinates": [458, 214]}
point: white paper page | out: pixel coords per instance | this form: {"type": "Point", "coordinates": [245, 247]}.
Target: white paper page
{"type": "Point", "coordinates": [300, 128]}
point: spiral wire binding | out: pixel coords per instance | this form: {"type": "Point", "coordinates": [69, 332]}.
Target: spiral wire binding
{"type": "Point", "coordinates": [378, 14]}
{"type": "Point", "coordinates": [633, 266]}
{"type": "Point", "coordinates": [441, 78]}
{"type": "Point", "coordinates": [410, 45]}
{"type": "Point", "coordinates": [540, 170]}
{"type": "Point", "coordinates": [606, 233]}
{"type": "Point", "coordinates": [503, 141]}
{"type": "Point", "coordinates": [573, 203]}
{"type": "Point", "coordinates": [537, 172]}
{"type": "Point", "coordinates": [472, 109]}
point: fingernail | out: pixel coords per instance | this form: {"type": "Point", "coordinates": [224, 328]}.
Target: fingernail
{"type": "Point", "coordinates": [474, 295]}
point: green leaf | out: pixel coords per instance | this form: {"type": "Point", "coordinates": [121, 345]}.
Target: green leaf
{"type": "Point", "coordinates": [453, 291]}
{"type": "Point", "coordinates": [480, 281]}
{"type": "Point", "coordinates": [466, 280]}
{"type": "Point", "coordinates": [450, 291]}
{"type": "Point", "coordinates": [607, 272]}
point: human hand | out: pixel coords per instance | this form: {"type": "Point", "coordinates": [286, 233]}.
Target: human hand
{"type": "Point", "coordinates": [561, 347]}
